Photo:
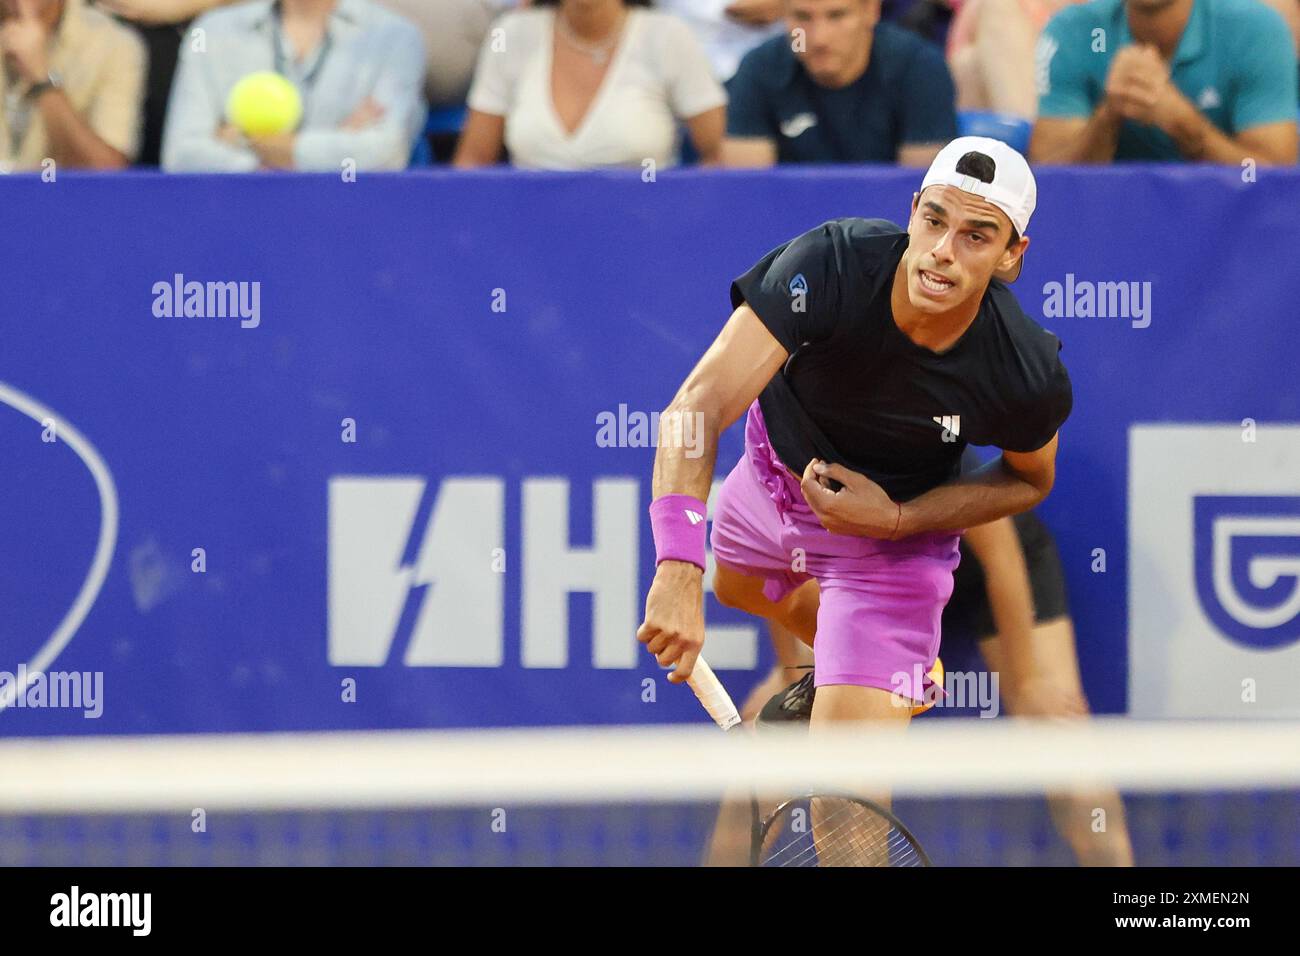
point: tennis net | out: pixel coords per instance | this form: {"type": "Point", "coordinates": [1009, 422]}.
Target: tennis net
{"type": "Point", "coordinates": [1006, 792]}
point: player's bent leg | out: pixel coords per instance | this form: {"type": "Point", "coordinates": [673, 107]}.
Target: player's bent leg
{"type": "Point", "coordinates": [797, 611]}
{"type": "Point", "coordinates": [838, 704]}
{"type": "Point", "coordinates": [1091, 822]}
{"type": "Point", "coordinates": [794, 658]}
{"type": "Point", "coordinates": [877, 637]}
{"type": "Point", "coordinates": [845, 705]}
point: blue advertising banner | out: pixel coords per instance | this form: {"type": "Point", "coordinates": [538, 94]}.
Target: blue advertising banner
{"type": "Point", "coordinates": [289, 452]}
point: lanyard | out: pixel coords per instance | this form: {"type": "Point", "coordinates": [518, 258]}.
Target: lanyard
{"type": "Point", "coordinates": [308, 80]}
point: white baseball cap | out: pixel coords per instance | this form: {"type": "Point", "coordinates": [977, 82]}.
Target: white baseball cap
{"type": "Point", "coordinates": [1013, 189]}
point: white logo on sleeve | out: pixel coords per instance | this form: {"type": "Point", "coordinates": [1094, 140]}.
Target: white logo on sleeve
{"type": "Point", "coordinates": [798, 124]}
{"type": "Point", "coordinates": [694, 517]}
{"type": "Point", "coordinates": [949, 423]}
{"type": "Point", "coordinates": [1209, 99]}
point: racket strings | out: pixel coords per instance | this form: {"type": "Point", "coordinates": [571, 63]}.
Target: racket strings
{"type": "Point", "coordinates": [852, 834]}
{"type": "Point", "coordinates": [852, 829]}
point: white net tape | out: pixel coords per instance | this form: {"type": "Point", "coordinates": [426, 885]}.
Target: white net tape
{"type": "Point", "coordinates": [574, 766]}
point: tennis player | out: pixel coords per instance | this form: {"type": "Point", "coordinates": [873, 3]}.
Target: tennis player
{"type": "Point", "coordinates": [1009, 598]}
{"type": "Point", "coordinates": [867, 357]}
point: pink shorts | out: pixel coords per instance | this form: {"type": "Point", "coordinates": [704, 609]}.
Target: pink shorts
{"type": "Point", "coordinates": [881, 601]}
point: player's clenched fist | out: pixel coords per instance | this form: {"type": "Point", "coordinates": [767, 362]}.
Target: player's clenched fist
{"type": "Point", "coordinates": [674, 618]}
{"type": "Point", "coordinates": [858, 506]}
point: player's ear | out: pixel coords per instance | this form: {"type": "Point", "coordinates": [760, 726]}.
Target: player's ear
{"type": "Point", "coordinates": [1011, 256]}
{"type": "Point", "coordinates": [916, 199]}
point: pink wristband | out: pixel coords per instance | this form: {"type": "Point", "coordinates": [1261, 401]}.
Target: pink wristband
{"type": "Point", "coordinates": [678, 525]}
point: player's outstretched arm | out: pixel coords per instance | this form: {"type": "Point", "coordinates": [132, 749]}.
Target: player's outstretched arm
{"type": "Point", "coordinates": [736, 367]}
{"type": "Point", "coordinates": [1005, 486]}
{"type": "Point", "coordinates": [723, 384]}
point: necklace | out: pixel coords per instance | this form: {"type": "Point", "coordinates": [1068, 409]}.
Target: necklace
{"type": "Point", "coordinates": [599, 51]}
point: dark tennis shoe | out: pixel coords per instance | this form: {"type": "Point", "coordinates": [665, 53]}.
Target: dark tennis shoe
{"type": "Point", "coordinates": [792, 705]}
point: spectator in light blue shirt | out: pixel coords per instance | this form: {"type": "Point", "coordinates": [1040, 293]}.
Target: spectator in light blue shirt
{"type": "Point", "coordinates": [358, 67]}
{"type": "Point", "coordinates": [1167, 80]}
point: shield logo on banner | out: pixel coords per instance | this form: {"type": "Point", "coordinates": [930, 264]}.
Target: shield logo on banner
{"type": "Point", "coordinates": [1213, 571]}
{"type": "Point", "coordinates": [1248, 567]}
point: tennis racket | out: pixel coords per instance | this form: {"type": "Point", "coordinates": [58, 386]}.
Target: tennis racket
{"type": "Point", "coordinates": [713, 696]}
{"type": "Point", "coordinates": [715, 699]}
{"type": "Point", "coordinates": [824, 829]}
{"type": "Point", "coordinates": [820, 829]}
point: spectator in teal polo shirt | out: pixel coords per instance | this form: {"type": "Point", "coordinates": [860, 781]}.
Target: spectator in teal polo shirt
{"type": "Point", "coordinates": [1166, 80]}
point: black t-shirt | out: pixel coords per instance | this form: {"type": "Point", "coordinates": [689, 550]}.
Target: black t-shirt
{"type": "Point", "coordinates": [857, 391]}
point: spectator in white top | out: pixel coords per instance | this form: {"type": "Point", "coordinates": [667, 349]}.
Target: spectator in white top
{"type": "Point", "coordinates": [582, 84]}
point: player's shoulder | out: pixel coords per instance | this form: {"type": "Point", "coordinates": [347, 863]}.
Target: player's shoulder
{"type": "Point", "coordinates": [872, 242]}
{"type": "Point", "coordinates": [852, 244]}
{"type": "Point", "coordinates": [862, 234]}
{"type": "Point", "coordinates": [1018, 324]}
{"type": "Point", "coordinates": [1036, 349]}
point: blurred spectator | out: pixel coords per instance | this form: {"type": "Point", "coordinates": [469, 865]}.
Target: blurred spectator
{"type": "Point", "coordinates": [358, 67]}
{"type": "Point", "coordinates": [991, 53]}
{"type": "Point", "coordinates": [1202, 80]}
{"type": "Point", "coordinates": [71, 86]}
{"type": "Point", "coordinates": [842, 87]}
{"type": "Point", "coordinates": [728, 29]}
{"type": "Point", "coordinates": [928, 19]}
{"type": "Point", "coordinates": [590, 83]}
{"type": "Point", "coordinates": [453, 31]}
{"type": "Point", "coordinates": [161, 24]}
{"type": "Point", "coordinates": [1290, 12]}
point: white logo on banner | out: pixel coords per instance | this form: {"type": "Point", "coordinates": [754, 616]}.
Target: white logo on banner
{"type": "Point", "coordinates": [431, 592]}
{"type": "Point", "coordinates": [1214, 571]}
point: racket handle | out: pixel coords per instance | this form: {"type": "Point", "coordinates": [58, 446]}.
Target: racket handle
{"type": "Point", "coordinates": [713, 695]}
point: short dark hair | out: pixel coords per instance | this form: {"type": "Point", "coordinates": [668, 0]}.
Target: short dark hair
{"type": "Point", "coordinates": [981, 166]}
{"type": "Point", "coordinates": [977, 165]}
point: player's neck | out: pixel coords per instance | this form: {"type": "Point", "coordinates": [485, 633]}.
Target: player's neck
{"type": "Point", "coordinates": [936, 331]}
{"type": "Point", "coordinates": [1162, 25]}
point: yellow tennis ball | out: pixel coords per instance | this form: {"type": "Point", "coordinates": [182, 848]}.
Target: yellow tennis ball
{"type": "Point", "coordinates": [936, 675]}
{"type": "Point", "coordinates": [263, 104]}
